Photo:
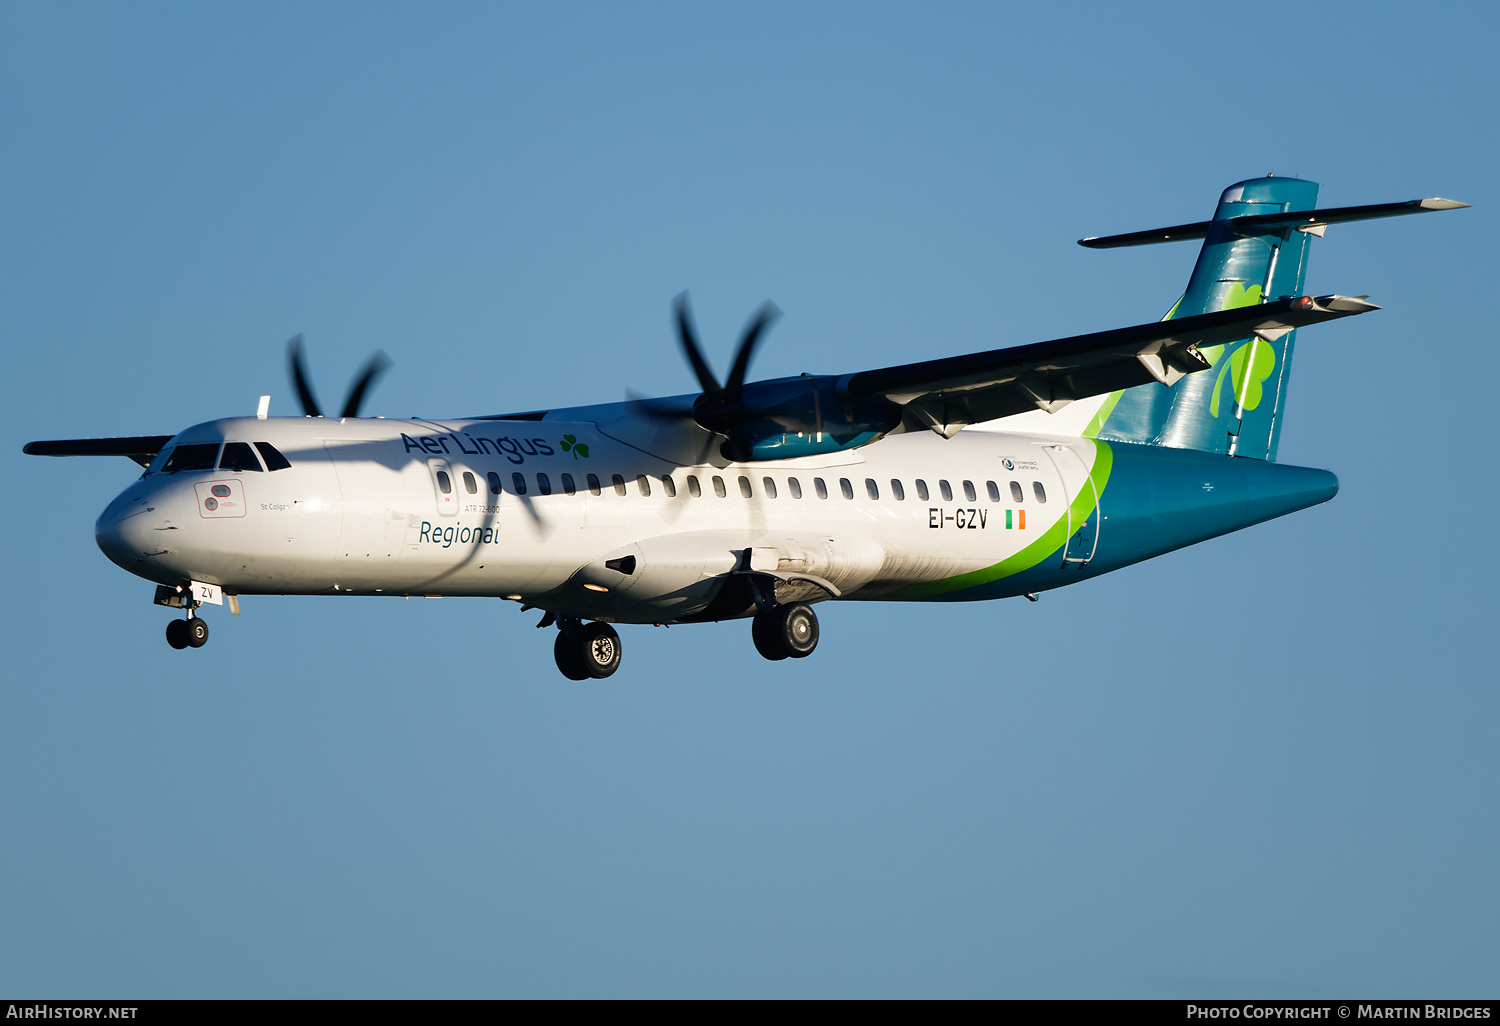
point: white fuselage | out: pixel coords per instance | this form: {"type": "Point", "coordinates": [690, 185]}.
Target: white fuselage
{"type": "Point", "coordinates": [628, 521]}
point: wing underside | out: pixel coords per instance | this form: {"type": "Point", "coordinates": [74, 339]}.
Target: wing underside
{"type": "Point", "coordinates": [944, 395]}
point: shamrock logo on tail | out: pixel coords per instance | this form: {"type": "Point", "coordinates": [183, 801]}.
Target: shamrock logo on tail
{"type": "Point", "coordinates": [570, 443]}
{"type": "Point", "coordinates": [1260, 356]}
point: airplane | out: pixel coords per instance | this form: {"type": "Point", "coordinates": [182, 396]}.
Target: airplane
{"type": "Point", "coordinates": [990, 475]}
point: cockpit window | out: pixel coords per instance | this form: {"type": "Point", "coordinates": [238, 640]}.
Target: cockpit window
{"type": "Point", "coordinates": [239, 456]}
{"type": "Point", "coordinates": [198, 456]}
{"type": "Point", "coordinates": [274, 459]}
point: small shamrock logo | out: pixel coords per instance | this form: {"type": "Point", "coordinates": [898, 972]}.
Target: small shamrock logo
{"type": "Point", "coordinates": [570, 443]}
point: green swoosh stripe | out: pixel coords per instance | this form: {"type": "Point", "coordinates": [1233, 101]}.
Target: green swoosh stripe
{"type": "Point", "coordinates": [1051, 540]}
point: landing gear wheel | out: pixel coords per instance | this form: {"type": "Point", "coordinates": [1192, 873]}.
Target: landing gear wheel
{"type": "Point", "coordinates": [785, 631]}
{"type": "Point", "coordinates": [600, 649]}
{"type": "Point", "coordinates": [197, 633]}
{"type": "Point", "coordinates": [588, 650]}
{"type": "Point", "coordinates": [568, 652]}
{"type": "Point", "coordinates": [177, 633]}
{"type": "Point", "coordinates": [763, 631]}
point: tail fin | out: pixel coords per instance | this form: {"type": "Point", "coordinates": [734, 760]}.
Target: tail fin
{"type": "Point", "coordinates": [1254, 250]}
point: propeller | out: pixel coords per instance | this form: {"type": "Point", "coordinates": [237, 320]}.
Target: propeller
{"type": "Point", "coordinates": [718, 408]}
{"type": "Point", "coordinates": [714, 395]}
{"type": "Point", "coordinates": [363, 382]}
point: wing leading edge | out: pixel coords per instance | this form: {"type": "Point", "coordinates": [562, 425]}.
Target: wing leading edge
{"type": "Point", "coordinates": [141, 448]}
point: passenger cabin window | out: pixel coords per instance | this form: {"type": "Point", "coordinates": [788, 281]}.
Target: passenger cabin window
{"type": "Point", "coordinates": [820, 488]}
{"type": "Point", "coordinates": [272, 456]}
{"type": "Point", "coordinates": [795, 487]}
{"type": "Point", "coordinates": [871, 488]}
{"type": "Point", "coordinates": [769, 487]}
{"type": "Point", "coordinates": [594, 488]}
{"type": "Point", "coordinates": [568, 486]}
{"type": "Point", "coordinates": [669, 486]}
{"type": "Point", "coordinates": [239, 456]}
{"type": "Point", "coordinates": [470, 485]}
{"type": "Point", "coordinates": [642, 484]}
{"type": "Point", "coordinates": [1016, 493]}
{"type": "Point", "coordinates": [969, 492]}
{"type": "Point", "coordinates": [719, 489]}
{"type": "Point", "coordinates": [1038, 491]}
{"type": "Point", "coordinates": [494, 480]}
{"type": "Point", "coordinates": [921, 489]}
{"type": "Point", "coordinates": [543, 484]}
{"type": "Point", "coordinates": [694, 489]}
{"type": "Point", "coordinates": [619, 483]}
{"type": "Point", "coordinates": [947, 491]}
{"type": "Point", "coordinates": [897, 490]}
{"type": "Point", "coordinates": [993, 489]}
{"type": "Point", "coordinates": [445, 483]}
{"type": "Point", "coordinates": [745, 487]}
{"type": "Point", "coordinates": [518, 483]}
{"type": "Point", "coordinates": [198, 456]}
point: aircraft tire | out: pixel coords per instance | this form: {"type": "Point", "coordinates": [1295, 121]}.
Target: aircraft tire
{"type": "Point", "coordinates": [600, 649]}
{"type": "Point", "coordinates": [567, 650]}
{"type": "Point", "coordinates": [799, 627]}
{"type": "Point", "coordinates": [764, 630]}
{"type": "Point", "coordinates": [177, 633]}
{"type": "Point", "coordinates": [197, 633]}
{"type": "Point", "coordinates": [786, 632]}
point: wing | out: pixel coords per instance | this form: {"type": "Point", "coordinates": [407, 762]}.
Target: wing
{"type": "Point", "coordinates": [944, 395]}
{"type": "Point", "coordinates": [141, 448]}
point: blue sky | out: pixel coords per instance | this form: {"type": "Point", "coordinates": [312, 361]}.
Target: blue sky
{"type": "Point", "coordinates": [1264, 765]}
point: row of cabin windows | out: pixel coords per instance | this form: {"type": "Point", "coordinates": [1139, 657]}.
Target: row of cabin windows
{"type": "Point", "coordinates": [768, 485]}
{"type": "Point", "coordinates": [235, 456]}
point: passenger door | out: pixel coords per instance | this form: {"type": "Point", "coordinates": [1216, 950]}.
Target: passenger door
{"type": "Point", "coordinates": [444, 487]}
{"type": "Point", "coordinates": [1083, 517]}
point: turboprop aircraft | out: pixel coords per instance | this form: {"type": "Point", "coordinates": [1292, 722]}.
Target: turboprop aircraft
{"type": "Point", "coordinates": [990, 475]}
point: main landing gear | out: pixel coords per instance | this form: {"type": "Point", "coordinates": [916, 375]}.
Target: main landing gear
{"type": "Point", "coordinates": [189, 633]}
{"type": "Point", "coordinates": [586, 650]}
{"type": "Point", "coordinates": [782, 632]}
{"type": "Point", "coordinates": [591, 651]}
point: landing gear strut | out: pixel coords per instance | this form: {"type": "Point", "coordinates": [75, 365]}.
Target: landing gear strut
{"type": "Point", "coordinates": [782, 632]}
{"type": "Point", "coordinates": [586, 650]}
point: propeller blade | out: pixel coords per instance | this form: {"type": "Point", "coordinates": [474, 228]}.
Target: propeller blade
{"type": "Point", "coordinates": [299, 377]}
{"type": "Point", "coordinates": [377, 365]}
{"type": "Point", "coordinates": [690, 346]}
{"type": "Point", "coordinates": [753, 331]}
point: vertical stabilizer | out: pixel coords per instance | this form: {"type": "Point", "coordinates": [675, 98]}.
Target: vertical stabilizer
{"type": "Point", "coordinates": [1235, 406]}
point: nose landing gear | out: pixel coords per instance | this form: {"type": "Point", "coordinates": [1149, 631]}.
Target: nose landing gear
{"type": "Point", "coordinates": [782, 632]}
{"type": "Point", "coordinates": [586, 650]}
{"type": "Point", "coordinates": [190, 633]}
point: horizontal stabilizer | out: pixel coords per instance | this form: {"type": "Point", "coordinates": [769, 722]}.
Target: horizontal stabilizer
{"type": "Point", "coordinates": [141, 448]}
{"type": "Point", "coordinates": [1303, 220]}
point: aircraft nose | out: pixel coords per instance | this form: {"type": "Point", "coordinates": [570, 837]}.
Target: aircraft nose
{"type": "Point", "coordinates": [130, 531]}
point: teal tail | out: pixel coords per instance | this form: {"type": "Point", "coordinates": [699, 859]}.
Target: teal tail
{"type": "Point", "coordinates": [1254, 251]}
{"type": "Point", "coordinates": [1235, 406]}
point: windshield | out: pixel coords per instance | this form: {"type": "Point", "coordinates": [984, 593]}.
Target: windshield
{"type": "Point", "coordinates": [198, 456]}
